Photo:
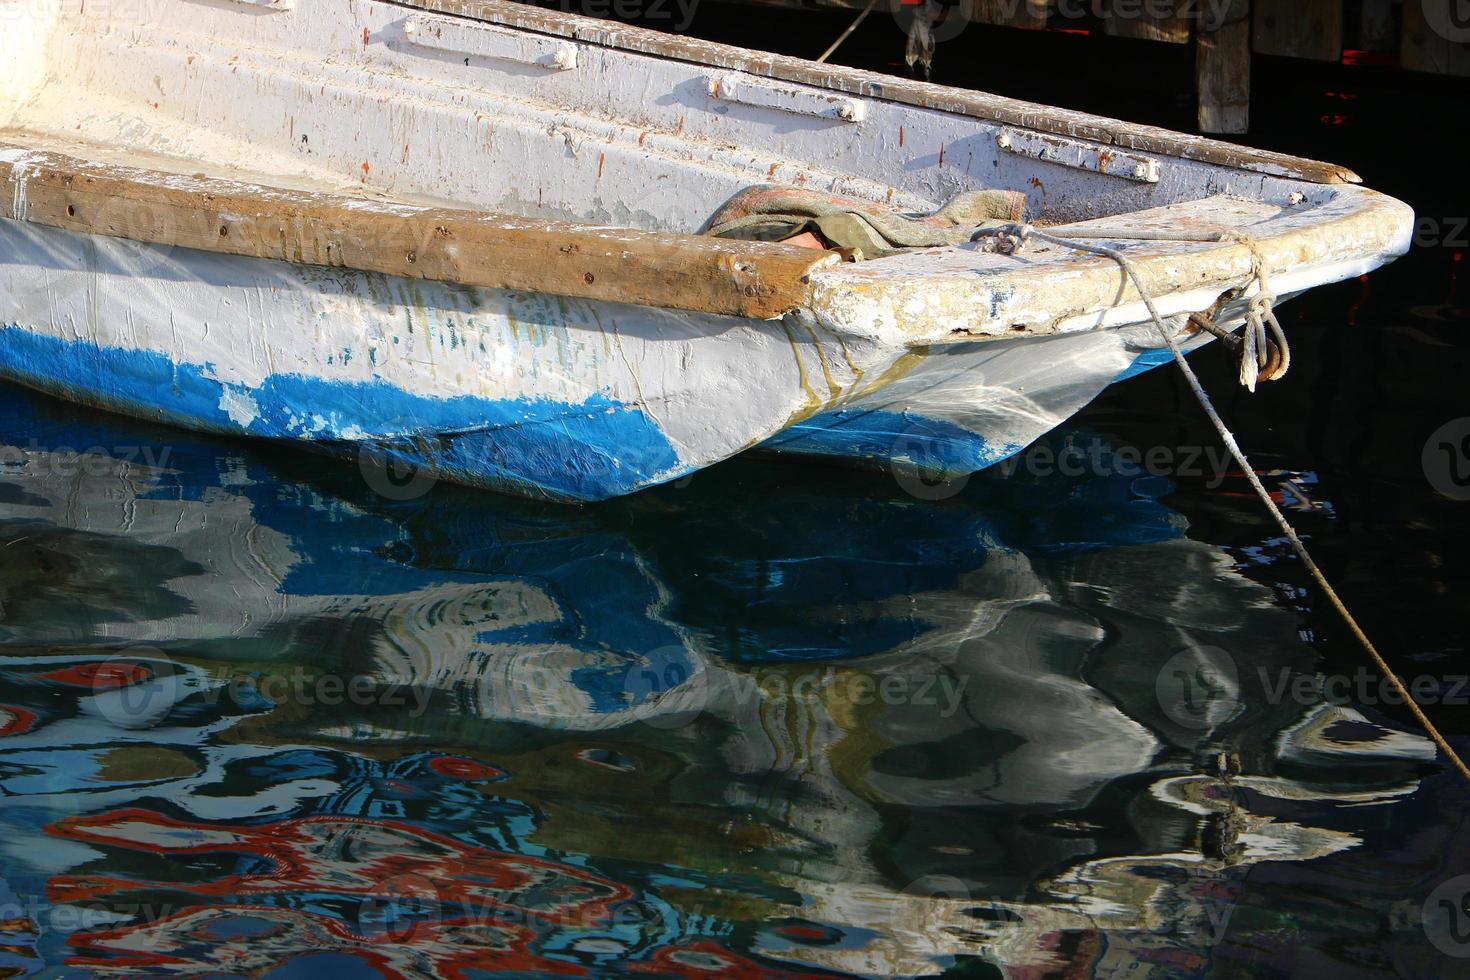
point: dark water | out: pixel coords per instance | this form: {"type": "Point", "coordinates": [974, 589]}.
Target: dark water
{"type": "Point", "coordinates": [258, 718]}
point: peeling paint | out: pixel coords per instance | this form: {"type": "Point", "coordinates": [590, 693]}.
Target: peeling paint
{"type": "Point", "coordinates": [391, 136]}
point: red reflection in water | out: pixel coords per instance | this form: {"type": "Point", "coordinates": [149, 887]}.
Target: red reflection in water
{"type": "Point", "coordinates": [100, 675]}
{"type": "Point", "coordinates": [455, 767]}
{"type": "Point", "coordinates": [248, 941]}
{"type": "Point", "coordinates": [15, 720]}
{"type": "Point", "coordinates": [427, 905]}
{"type": "Point", "coordinates": [460, 892]}
{"type": "Point", "coordinates": [342, 855]}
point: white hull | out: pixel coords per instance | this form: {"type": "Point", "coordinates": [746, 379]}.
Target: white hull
{"type": "Point", "coordinates": [544, 396]}
{"type": "Point", "coordinates": [461, 234]}
{"type": "Point", "coordinates": [964, 407]}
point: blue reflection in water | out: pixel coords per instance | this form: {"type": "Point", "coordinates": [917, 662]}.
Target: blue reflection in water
{"type": "Point", "coordinates": [257, 717]}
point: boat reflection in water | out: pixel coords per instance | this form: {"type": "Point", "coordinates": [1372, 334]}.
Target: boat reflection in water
{"type": "Point", "coordinates": [779, 720]}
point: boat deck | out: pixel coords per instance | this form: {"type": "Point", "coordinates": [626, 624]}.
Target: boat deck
{"type": "Point", "coordinates": [310, 218]}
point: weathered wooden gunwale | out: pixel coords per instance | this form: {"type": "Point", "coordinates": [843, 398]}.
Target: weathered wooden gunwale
{"type": "Point", "coordinates": [977, 105]}
{"type": "Point", "coordinates": [477, 248]}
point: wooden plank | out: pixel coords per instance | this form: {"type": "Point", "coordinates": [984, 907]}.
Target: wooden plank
{"type": "Point", "coordinates": [978, 105]}
{"type": "Point", "coordinates": [1223, 69]}
{"type": "Point", "coordinates": [1375, 26]}
{"type": "Point", "coordinates": [1436, 37]}
{"type": "Point", "coordinates": [684, 272]}
{"type": "Point", "coordinates": [1150, 21]}
{"type": "Point", "coordinates": [1299, 28]}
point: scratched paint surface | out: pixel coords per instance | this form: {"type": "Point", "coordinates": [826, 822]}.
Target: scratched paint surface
{"type": "Point", "coordinates": [258, 718]}
{"type": "Point", "coordinates": [386, 107]}
{"type": "Point", "coordinates": [532, 394]}
{"type": "Point", "coordinates": [964, 407]}
{"type": "Point", "coordinates": [570, 399]}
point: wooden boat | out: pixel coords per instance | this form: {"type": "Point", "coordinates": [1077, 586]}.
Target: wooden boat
{"type": "Point", "coordinates": [466, 234]}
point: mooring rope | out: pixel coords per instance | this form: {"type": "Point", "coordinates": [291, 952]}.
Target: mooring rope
{"type": "Point", "coordinates": [1019, 234]}
{"type": "Point", "coordinates": [1261, 359]}
{"type": "Point", "coordinates": [848, 33]}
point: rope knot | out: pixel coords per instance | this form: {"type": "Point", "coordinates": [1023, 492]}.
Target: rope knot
{"type": "Point", "coordinates": [1004, 239]}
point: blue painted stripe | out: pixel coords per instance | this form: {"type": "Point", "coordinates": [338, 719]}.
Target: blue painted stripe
{"type": "Point", "coordinates": [935, 446]}
{"type": "Point", "coordinates": [1146, 361]}
{"type": "Point", "coordinates": [593, 450]}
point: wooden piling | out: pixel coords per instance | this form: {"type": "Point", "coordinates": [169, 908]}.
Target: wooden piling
{"type": "Point", "coordinates": [1375, 26]}
{"type": "Point", "coordinates": [1298, 29]}
{"type": "Point", "coordinates": [1172, 27]}
{"type": "Point", "coordinates": [1027, 14]}
{"type": "Point", "coordinates": [1434, 40]}
{"type": "Point", "coordinates": [1223, 69]}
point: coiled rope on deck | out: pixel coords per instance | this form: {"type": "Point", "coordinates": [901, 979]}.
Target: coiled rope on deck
{"type": "Point", "coordinates": [1260, 315]}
